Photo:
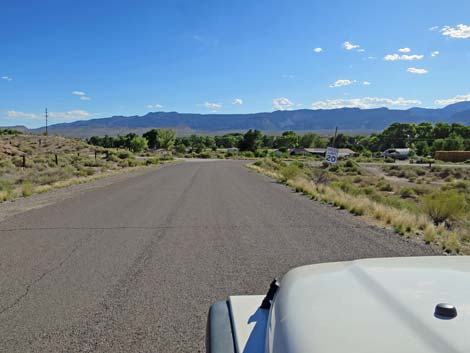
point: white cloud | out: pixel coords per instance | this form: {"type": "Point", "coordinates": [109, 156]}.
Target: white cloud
{"type": "Point", "coordinates": [350, 46]}
{"type": "Point", "coordinates": [371, 57]}
{"type": "Point", "coordinates": [83, 96]}
{"type": "Point", "coordinates": [366, 83]}
{"type": "Point", "coordinates": [342, 83]}
{"type": "Point", "coordinates": [404, 50]}
{"type": "Point", "coordinates": [460, 31]}
{"type": "Point", "coordinates": [417, 71]}
{"type": "Point", "coordinates": [364, 103]}
{"type": "Point", "coordinates": [434, 53]}
{"type": "Point", "coordinates": [154, 106]}
{"type": "Point", "coordinates": [361, 50]}
{"type": "Point", "coordinates": [434, 28]}
{"type": "Point", "coordinates": [237, 101]}
{"type": "Point", "coordinates": [394, 57]}
{"type": "Point", "coordinates": [288, 76]}
{"type": "Point", "coordinates": [7, 78]}
{"type": "Point", "coordinates": [213, 106]}
{"type": "Point", "coordinates": [318, 50]}
{"type": "Point", "coordinates": [73, 114]}
{"type": "Point", "coordinates": [21, 115]}
{"type": "Point", "coordinates": [456, 99]}
{"type": "Point", "coordinates": [282, 103]}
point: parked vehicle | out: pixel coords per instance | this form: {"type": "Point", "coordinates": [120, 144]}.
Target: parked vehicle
{"type": "Point", "coordinates": [417, 305]}
{"type": "Point", "coordinates": [397, 153]}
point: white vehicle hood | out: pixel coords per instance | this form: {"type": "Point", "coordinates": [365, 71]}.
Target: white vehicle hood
{"type": "Point", "coordinates": [374, 305]}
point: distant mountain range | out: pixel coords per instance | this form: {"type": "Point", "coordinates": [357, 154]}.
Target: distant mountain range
{"type": "Point", "coordinates": [347, 119]}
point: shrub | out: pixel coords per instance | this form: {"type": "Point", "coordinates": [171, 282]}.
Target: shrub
{"type": "Point", "coordinates": [151, 161]}
{"type": "Point", "coordinates": [5, 190]}
{"type": "Point", "coordinates": [291, 171]}
{"type": "Point", "coordinates": [125, 155]}
{"type": "Point", "coordinates": [399, 228]}
{"type": "Point", "coordinates": [451, 243]}
{"type": "Point", "coordinates": [204, 155]}
{"type": "Point", "coordinates": [407, 192]}
{"type": "Point", "coordinates": [27, 189]}
{"type": "Point", "coordinates": [429, 234]}
{"type": "Point", "coordinates": [86, 171]}
{"type": "Point", "coordinates": [334, 168]}
{"type": "Point", "coordinates": [445, 206]}
{"type": "Point", "coordinates": [347, 187]}
{"type": "Point", "coordinates": [389, 160]}
{"type": "Point", "coordinates": [384, 186]}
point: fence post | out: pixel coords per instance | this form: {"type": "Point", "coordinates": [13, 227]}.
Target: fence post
{"type": "Point", "coordinates": [24, 161]}
{"type": "Point", "coordinates": [56, 160]}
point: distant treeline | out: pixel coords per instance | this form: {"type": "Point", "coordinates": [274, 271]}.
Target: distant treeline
{"type": "Point", "coordinates": [425, 138]}
{"type": "Point", "coordinates": [10, 132]}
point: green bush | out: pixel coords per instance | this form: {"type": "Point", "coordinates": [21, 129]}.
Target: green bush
{"type": "Point", "coordinates": [27, 189]}
{"type": "Point", "coordinates": [407, 193]}
{"type": "Point", "coordinates": [5, 185]}
{"type": "Point", "coordinates": [384, 186]}
{"type": "Point", "coordinates": [204, 155]}
{"type": "Point", "coordinates": [125, 155]}
{"type": "Point", "coordinates": [445, 206]}
{"type": "Point", "coordinates": [347, 187]}
{"type": "Point", "coordinates": [291, 171]}
{"type": "Point", "coordinates": [152, 161]}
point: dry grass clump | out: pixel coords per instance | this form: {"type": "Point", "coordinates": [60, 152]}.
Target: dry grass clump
{"type": "Point", "coordinates": [27, 189]}
{"type": "Point", "coordinates": [429, 233]}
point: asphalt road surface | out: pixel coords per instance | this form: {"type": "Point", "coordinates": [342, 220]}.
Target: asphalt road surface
{"type": "Point", "coordinates": [134, 266]}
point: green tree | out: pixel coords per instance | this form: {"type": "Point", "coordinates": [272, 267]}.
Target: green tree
{"type": "Point", "coordinates": [441, 130]}
{"type": "Point", "coordinates": [288, 139]}
{"type": "Point", "coordinates": [251, 141]}
{"type": "Point", "coordinates": [438, 145]}
{"type": "Point", "coordinates": [424, 130]}
{"type": "Point", "coordinates": [166, 138]}
{"type": "Point", "coordinates": [138, 144]}
{"type": "Point", "coordinates": [422, 148]}
{"type": "Point", "coordinates": [151, 137]}
{"type": "Point", "coordinates": [310, 140]}
{"type": "Point", "coordinates": [161, 138]}
{"type": "Point", "coordinates": [454, 142]}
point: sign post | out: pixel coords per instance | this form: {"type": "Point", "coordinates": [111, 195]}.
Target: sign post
{"type": "Point", "coordinates": [331, 155]}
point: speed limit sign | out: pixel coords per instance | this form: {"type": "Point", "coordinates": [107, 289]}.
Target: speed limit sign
{"type": "Point", "coordinates": [331, 155]}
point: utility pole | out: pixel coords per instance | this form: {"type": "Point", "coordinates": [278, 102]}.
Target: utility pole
{"type": "Point", "coordinates": [46, 121]}
{"type": "Point", "coordinates": [334, 140]}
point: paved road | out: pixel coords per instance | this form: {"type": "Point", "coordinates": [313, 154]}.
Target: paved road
{"type": "Point", "coordinates": [134, 266]}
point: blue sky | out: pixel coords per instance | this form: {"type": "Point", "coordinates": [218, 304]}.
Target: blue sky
{"type": "Point", "coordinates": [92, 59]}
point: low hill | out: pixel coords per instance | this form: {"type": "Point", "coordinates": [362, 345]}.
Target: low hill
{"type": "Point", "coordinates": [348, 119]}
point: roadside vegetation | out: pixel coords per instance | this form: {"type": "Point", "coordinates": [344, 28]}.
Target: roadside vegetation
{"type": "Point", "coordinates": [437, 215]}
{"type": "Point", "coordinates": [31, 164]}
